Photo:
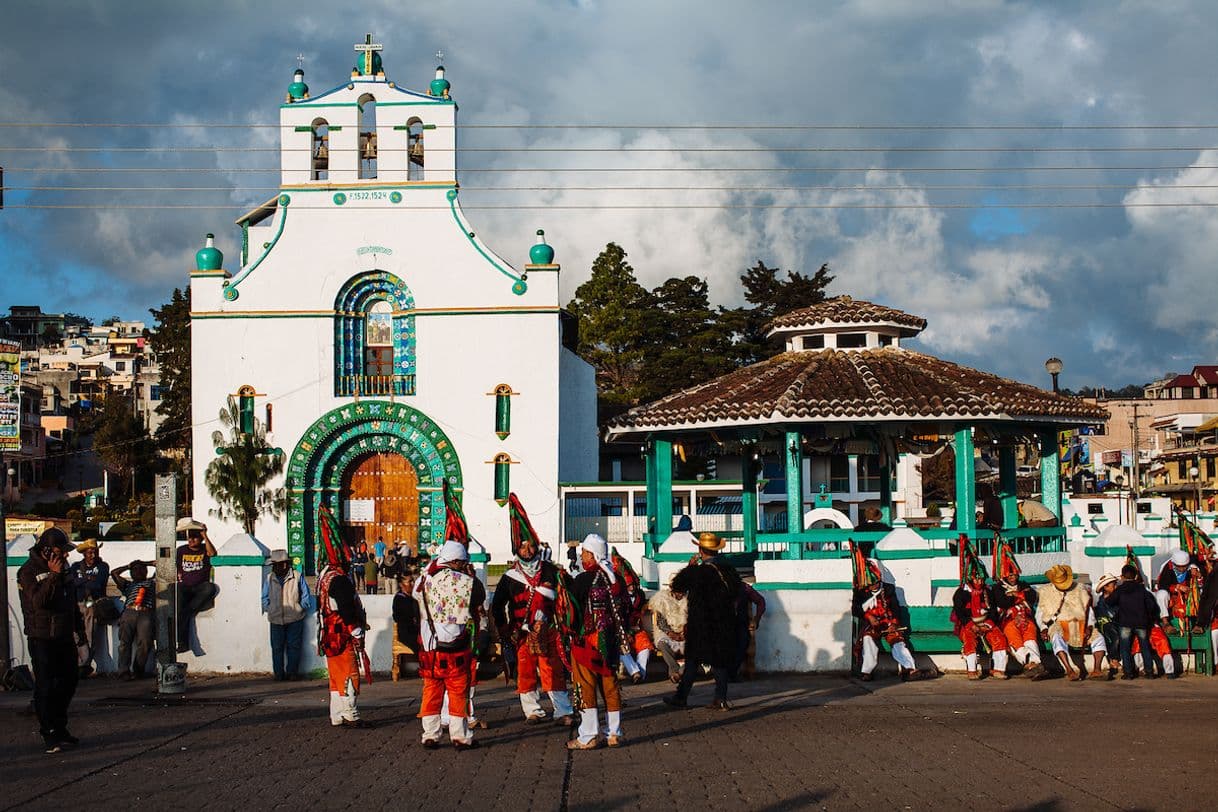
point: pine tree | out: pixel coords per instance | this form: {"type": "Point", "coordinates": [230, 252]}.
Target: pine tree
{"type": "Point", "coordinates": [171, 343]}
{"type": "Point", "coordinates": [770, 297]}
{"type": "Point", "coordinates": [122, 442]}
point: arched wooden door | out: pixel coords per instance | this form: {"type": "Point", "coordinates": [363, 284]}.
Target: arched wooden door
{"type": "Point", "coordinates": [381, 500]}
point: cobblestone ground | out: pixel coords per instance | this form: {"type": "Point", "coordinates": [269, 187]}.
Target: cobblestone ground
{"type": "Point", "coordinates": [792, 742]}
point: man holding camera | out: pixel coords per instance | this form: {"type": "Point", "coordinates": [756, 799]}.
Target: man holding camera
{"type": "Point", "coordinates": [55, 628]}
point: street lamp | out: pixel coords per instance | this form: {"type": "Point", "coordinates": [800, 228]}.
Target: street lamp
{"type": "Point", "coordinates": [1054, 367]}
{"type": "Point", "coordinates": [1119, 479]}
{"type": "Point", "coordinates": [1194, 472]}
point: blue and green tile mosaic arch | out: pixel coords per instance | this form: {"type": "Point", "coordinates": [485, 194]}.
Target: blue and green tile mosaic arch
{"type": "Point", "coordinates": [351, 306]}
{"type": "Point", "coordinates": [338, 439]}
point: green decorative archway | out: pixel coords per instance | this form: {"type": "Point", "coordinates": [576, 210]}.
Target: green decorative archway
{"type": "Point", "coordinates": [341, 436]}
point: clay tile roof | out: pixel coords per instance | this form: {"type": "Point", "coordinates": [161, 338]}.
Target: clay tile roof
{"type": "Point", "coordinates": [887, 384]}
{"type": "Point", "coordinates": [1181, 381]}
{"type": "Point", "coordinates": [845, 310]}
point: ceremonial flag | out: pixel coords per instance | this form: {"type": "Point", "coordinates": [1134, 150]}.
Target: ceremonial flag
{"type": "Point", "coordinates": [1194, 541]}
{"type": "Point", "coordinates": [629, 580]}
{"type": "Point", "coordinates": [330, 545]}
{"type": "Point", "coordinates": [864, 576]}
{"type": "Point", "coordinates": [970, 565]}
{"type": "Point", "coordinates": [455, 528]}
{"type": "Point", "coordinates": [522, 528]}
{"type": "Point", "coordinates": [1004, 563]}
{"type": "Point", "coordinates": [1132, 558]}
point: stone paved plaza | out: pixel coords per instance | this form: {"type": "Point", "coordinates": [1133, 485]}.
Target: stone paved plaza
{"type": "Point", "coordinates": [792, 742]}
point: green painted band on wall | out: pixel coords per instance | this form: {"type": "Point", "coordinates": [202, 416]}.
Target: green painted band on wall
{"type": "Point", "coordinates": [413, 185]}
{"type": "Point", "coordinates": [436, 103]}
{"type": "Point", "coordinates": [774, 586]}
{"type": "Point", "coordinates": [238, 560]}
{"type": "Point", "coordinates": [236, 314]}
{"type": "Point", "coordinates": [230, 290]}
{"type": "Point", "coordinates": [1116, 552]}
{"type": "Point", "coordinates": [908, 555]}
{"type": "Point", "coordinates": [17, 560]}
{"type": "Point", "coordinates": [519, 287]}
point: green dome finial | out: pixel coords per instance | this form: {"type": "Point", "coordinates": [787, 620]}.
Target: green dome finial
{"type": "Point", "coordinates": [209, 258]}
{"type": "Point", "coordinates": [369, 62]}
{"type": "Point", "coordinates": [439, 86]}
{"type": "Point", "coordinates": [541, 253]}
{"type": "Point", "coordinates": [298, 90]}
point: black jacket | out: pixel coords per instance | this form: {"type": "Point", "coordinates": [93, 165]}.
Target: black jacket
{"type": "Point", "coordinates": [48, 602]}
{"type": "Point", "coordinates": [1133, 606]}
{"type": "Point", "coordinates": [711, 590]}
{"type": "Point", "coordinates": [1209, 599]}
{"type": "Point", "coordinates": [406, 618]}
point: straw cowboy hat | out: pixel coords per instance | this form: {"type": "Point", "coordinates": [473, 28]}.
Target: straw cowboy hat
{"type": "Point", "coordinates": [710, 541]}
{"type": "Point", "coordinates": [1105, 579]}
{"type": "Point", "coordinates": [88, 544]}
{"type": "Point", "coordinates": [188, 523]}
{"type": "Point", "coordinates": [279, 556]}
{"type": "Point", "coordinates": [1060, 575]}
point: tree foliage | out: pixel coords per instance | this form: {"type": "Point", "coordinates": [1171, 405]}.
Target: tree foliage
{"type": "Point", "coordinates": [171, 343]}
{"type": "Point", "coordinates": [121, 440]}
{"type": "Point", "coordinates": [245, 463]}
{"type": "Point", "coordinates": [647, 344]}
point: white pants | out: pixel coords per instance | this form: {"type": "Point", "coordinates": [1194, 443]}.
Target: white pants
{"type": "Point", "coordinates": [458, 728]}
{"type": "Point", "coordinates": [1163, 598]}
{"type": "Point", "coordinates": [1029, 652]}
{"type": "Point", "coordinates": [469, 705]}
{"type": "Point", "coordinates": [531, 703]}
{"type": "Point", "coordinates": [871, 654]}
{"type": "Point", "coordinates": [342, 706]}
{"type": "Point", "coordinates": [1000, 661]}
{"type": "Point", "coordinates": [589, 727]}
{"type": "Point", "coordinates": [1058, 643]}
{"type": "Point", "coordinates": [1169, 663]}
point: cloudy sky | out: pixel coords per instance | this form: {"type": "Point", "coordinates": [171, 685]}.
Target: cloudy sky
{"type": "Point", "coordinates": [919, 147]}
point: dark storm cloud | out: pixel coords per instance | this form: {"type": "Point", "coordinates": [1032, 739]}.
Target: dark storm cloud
{"type": "Point", "coordinates": [1119, 293]}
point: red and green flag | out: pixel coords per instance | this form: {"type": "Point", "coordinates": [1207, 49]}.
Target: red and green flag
{"type": "Point", "coordinates": [331, 548]}
{"type": "Point", "coordinates": [971, 567]}
{"type": "Point", "coordinates": [865, 575]}
{"type": "Point", "coordinates": [455, 528]}
{"type": "Point", "coordinates": [1131, 558]}
{"type": "Point", "coordinates": [522, 528]}
{"type": "Point", "coordinates": [1194, 541]}
{"type": "Point", "coordinates": [1004, 563]}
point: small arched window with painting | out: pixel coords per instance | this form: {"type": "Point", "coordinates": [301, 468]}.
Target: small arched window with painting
{"type": "Point", "coordinates": [374, 336]}
{"type": "Point", "coordinates": [414, 149]}
{"type": "Point", "coordinates": [367, 136]}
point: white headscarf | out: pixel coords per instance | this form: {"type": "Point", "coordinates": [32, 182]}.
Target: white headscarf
{"type": "Point", "coordinates": [452, 551]}
{"type": "Point", "coordinates": [599, 548]}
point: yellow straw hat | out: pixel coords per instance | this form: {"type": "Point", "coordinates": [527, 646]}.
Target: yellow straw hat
{"type": "Point", "coordinates": [1060, 575]}
{"type": "Point", "coordinates": [710, 541]}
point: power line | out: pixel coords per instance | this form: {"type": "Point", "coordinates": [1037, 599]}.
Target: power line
{"type": "Point", "coordinates": [557, 169]}
{"type": "Point", "coordinates": [648, 207]}
{"type": "Point", "coordinates": [719, 126]}
{"type": "Point", "coordinates": [832, 188]}
{"type": "Point", "coordinates": [383, 150]}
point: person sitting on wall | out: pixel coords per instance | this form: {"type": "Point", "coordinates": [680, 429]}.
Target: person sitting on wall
{"type": "Point", "coordinates": [878, 611]}
{"type": "Point", "coordinates": [196, 592]}
{"type": "Point", "coordinates": [1105, 622]}
{"type": "Point", "coordinates": [976, 619]}
{"type": "Point", "coordinates": [1178, 592]}
{"type": "Point", "coordinates": [1015, 601]}
{"type": "Point", "coordinates": [1064, 608]}
{"type": "Point", "coordinates": [668, 616]}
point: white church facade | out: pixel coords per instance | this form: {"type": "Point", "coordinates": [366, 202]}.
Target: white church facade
{"type": "Point", "coordinates": [384, 346]}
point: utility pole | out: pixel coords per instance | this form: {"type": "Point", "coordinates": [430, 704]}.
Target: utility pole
{"type": "Point", "coordinates": [5, 647]}
{"type": "Point", "coordinates": [170, 679]}
{"type": "Point", "coordinates": [1136, 484]}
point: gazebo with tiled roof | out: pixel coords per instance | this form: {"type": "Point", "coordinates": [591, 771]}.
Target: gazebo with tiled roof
{"type": "Point", "coordinates": [845, 375]}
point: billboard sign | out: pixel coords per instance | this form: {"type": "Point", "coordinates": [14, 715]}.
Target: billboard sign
{"type": "Point", "coordinates": [10, 396]}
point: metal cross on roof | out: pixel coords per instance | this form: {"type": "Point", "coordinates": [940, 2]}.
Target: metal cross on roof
{"type": "Point", "coordinates": [300, 60]}
{"type": "Point", "coordinates": [367, 48]}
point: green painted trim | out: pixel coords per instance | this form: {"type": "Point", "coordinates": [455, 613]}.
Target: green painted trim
{"type": "Point", "coordinates": [795, 482]}
{"type": "Point", "coordinates": [774, 586]}
{"type": "Point", "coordinates": [671, 557]}
{"type": "Point", "coordinates": [230, 290]}
{"type": "Point", "coordinates": [548, 311]}
{"type": "Point", "coordinates": [436, 103]}
{"type": "Point", "coordinates": [17, 560]}
{"type": "Point", "coordinates": [635, 483]}
{"type": "Point", "coordinates": [238, 560]}
{"type": "Point", "coordinates": [909, 555]}
{"type": "Point", "coordinates": [941, 582]}
{"type": "Point", "coordinates": [428, 184]}
{"type": "Point", "coordinates": [966, 481]}
{"type": "Point", "coordinates": [1116, 552]}
{"type": "Point", "coordinates": [519, 287]}
{"type": "Point", "coordinates": [649, 584]}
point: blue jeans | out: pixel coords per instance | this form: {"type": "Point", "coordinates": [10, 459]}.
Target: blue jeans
{"type": "Point", "coordinates": [286, 641]}
{"type": "Point", "coordinates": [1149, 659]}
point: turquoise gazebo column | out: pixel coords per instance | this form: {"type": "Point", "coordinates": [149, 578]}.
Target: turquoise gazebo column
{"type": "Point", "coordinates": [748, 500]}
{"type": "Point", "coordinates": [886, 488]}
{"type": "Point", "coordinates": [1050, 473]}
{"type": "Point", "coordinates": [659, 493]}
{"type": "Point", "coordinates": [795, 483]}
{"type": "Point", "coordinates": [966, 483]}
{"type": "Point", "coordinates": [1007, 491]}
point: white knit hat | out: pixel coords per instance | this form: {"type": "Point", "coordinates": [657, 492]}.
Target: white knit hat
{"type": "Point", "coordinates": [1180, 557]}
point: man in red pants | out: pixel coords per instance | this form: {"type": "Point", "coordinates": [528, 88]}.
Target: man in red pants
{"type": "Point", "coordinates": [523, 609]}
{"type": "Point", "coordinates": [449, 602]}
{"type": "Point", "coordinates": [975, 619]}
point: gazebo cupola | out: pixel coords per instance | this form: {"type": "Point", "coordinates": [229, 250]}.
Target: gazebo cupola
{"type": "Point", "coordinates": [844, 323]}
